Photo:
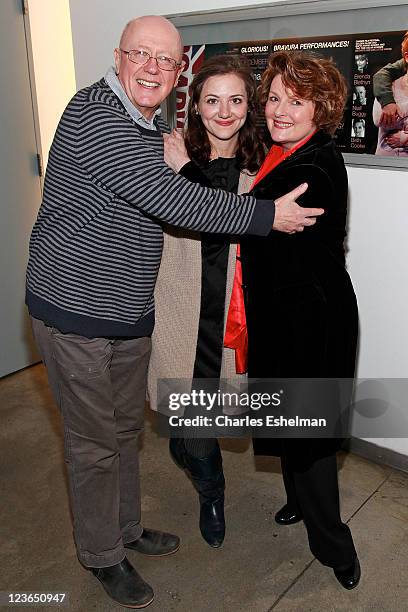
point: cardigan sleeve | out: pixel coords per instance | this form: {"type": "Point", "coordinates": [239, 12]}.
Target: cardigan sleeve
{"type": "Point", "coordinates": [263, 215]}
{"type": "Point", "coordinates": [114, 154]}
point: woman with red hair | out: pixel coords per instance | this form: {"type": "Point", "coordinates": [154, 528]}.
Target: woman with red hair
{"type": "Point", "coordinates": [301, 309]}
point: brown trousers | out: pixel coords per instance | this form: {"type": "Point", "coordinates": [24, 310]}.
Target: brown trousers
{"type": "Point", "coordinates": [99, 385]}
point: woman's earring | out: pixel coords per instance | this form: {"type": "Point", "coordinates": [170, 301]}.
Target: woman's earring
{"type": "Point", "coordinates": [196, 111]}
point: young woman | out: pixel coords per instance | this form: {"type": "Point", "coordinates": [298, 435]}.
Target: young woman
{"type": "Point", "coordinates": [195, 279]}
{"type": "Point", "coordinates": [301, 310]}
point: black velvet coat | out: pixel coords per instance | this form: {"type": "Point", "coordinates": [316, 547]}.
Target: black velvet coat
{"type": "Point", "coordinates": [301, 308]}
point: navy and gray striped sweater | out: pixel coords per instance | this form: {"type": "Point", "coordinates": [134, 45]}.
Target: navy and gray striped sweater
{"type": "Point", "coordinates": [96, 245]}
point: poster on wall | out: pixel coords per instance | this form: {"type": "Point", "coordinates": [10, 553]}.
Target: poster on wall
{"type": "Point", "coordinates": [358, 56]}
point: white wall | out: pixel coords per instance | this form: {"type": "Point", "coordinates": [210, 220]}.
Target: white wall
{"type": "Point", "coordinates": [53, 64]}
{"type": "Point", "coordinates": [378, 265]}
{"type": "Point", "coordinates": [97, 24]}
{"type": "Point", "coordinates": [378, 220]}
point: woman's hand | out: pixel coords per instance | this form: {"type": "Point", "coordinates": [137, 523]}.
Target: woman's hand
{"type": "Point", "coordinates": [175, 154]}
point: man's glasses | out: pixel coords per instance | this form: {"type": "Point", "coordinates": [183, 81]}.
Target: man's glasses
{"type": "Point", "coordinates": [137, 56]}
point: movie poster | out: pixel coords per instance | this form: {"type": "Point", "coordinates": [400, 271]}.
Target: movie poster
{"type": "Point", "coordinates": [358, 56]}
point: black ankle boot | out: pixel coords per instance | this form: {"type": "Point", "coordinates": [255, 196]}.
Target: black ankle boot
{"type": "Point", "coordinates": [208, 478]}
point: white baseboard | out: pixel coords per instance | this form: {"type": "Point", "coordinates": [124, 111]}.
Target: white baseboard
{"type": "Point", "coordinates": [378, 454]}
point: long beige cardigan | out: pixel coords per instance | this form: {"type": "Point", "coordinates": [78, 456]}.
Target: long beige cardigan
{"type": "Point", "coordinates": [177, 307]}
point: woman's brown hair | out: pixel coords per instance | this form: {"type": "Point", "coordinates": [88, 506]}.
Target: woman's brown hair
{"type": "Point", "coordinates": [250, 152]}
{"type": "Point", "coordinates": [311, 78]}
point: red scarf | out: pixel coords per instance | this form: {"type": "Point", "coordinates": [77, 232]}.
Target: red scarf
{"type": "Point", "coordinates": [236, 333]}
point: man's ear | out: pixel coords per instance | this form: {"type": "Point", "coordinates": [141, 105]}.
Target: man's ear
{"type": "Point", "coordinates": [178, 73]}
{"type": "Point", "coordinates": [117, 57]}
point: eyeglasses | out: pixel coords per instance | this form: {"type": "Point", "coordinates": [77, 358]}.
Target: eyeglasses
{"type": "Point", "coordinates": [137, 56]}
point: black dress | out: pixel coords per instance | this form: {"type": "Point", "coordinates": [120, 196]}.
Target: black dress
{"type": "Point", "coordinates": [222, 173]}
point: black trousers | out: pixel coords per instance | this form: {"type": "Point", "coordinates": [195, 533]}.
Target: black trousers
{"type": "Point", "coordinates": [313, 491]}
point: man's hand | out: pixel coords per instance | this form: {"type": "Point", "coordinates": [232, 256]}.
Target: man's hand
{"type": "Point", "coordinates": [397, 140]}
{"type": "Point", "coordinates": [390, 114]}
{"type": "Point", "coordinates": [175, 154]}
{"type": "Point", "coordinates": [290, 217]}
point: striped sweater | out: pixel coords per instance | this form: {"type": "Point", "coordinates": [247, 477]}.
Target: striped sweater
{"type": "Point", "coordinates": [95, 248]}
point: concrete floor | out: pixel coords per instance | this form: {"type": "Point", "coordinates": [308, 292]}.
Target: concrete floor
{"type": "Point", "coordinates": [261, 566]}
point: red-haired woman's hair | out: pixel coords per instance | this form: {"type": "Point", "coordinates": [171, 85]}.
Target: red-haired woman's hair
{"type": "Point", "coordinates": [311, 78]}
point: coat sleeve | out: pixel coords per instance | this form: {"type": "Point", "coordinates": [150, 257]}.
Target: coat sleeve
{"type": "Point", "coordinates": [326, 177]}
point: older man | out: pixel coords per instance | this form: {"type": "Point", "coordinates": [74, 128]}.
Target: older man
{"type": "Point", "coordinates": [359, 95]}
{"type": "Point", "coordinates": [94, 255]}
